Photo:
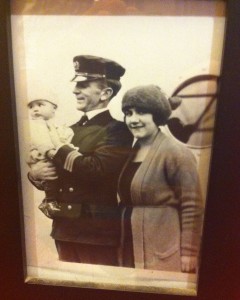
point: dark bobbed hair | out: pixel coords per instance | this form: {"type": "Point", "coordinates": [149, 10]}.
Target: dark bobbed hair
{"type": "Point", "coordinates": [149, 99]}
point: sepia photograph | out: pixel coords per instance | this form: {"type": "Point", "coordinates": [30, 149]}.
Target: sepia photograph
{"type": "Point", "coordinates": [115, 105]}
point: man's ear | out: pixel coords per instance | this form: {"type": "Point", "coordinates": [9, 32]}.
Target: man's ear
{"type": "Point", "coordinates": [106, 94]}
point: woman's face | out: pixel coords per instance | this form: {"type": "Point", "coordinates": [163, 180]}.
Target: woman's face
{"type": "Point", "coordinates": [140, 123]}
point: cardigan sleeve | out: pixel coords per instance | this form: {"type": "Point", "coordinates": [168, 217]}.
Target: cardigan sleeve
{"type": "Point", "coordinates": [185, 181]}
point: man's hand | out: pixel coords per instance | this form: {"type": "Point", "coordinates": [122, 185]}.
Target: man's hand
{"type": "Point", "coordinates": [189, 264]}
{"type": "Point", "coordinates": [43, 170]}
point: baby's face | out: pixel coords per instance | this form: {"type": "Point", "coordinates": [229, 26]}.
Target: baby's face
{"type": "Point", "coordinates": [40, 109]}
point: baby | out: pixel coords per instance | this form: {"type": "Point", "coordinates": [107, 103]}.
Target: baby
{"type": "Point", "coordinates": [42, 111]}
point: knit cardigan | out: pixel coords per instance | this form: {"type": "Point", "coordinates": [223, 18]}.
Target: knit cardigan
{"type": "Point", "coordinates": [167, 207]}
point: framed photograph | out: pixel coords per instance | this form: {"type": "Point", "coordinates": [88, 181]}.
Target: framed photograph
{"type": "Point", "coordinates": [84, 221]}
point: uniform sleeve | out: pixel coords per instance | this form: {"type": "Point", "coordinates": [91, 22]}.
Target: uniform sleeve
{"type": "Point", "coordinates": [185, 181]}
{"type": "Point", "coordinates": [108, 156]}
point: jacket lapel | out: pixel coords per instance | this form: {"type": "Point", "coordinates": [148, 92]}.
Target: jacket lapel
{"type": "Point", "coordinates": [137, 182]}
{"type": "Point", "coordinates": [84, 134]}
{"type": "Point", "coordinates": [137, 218]}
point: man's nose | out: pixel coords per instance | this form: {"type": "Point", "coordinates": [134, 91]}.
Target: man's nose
{"type": "Point", "coordinates": [76, 91]}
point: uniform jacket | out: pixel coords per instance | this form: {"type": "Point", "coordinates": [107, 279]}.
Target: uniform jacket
{"type": "Point", "coordinates": [88, 191]}
{"type": "Point", "coordinates": [167, 207]}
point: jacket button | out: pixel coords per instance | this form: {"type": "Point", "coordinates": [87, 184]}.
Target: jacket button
{"type": "Point", "coordinates": [69, 207]}
{"type": "Point", "coordinates": [60, 190]}
{"type": "Point", "coordinates": [70, 189]}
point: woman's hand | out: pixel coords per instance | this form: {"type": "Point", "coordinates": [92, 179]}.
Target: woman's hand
{"type": "Point", "coordinates": [55, 138]}
{"type": "Point", "coordinates": [189, 264]}
{"type": "Point", "coordinates": [43, 170]}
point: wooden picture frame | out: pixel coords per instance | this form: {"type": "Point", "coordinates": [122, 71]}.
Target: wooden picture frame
{"type": "Point", "coordinates": [221, 214]}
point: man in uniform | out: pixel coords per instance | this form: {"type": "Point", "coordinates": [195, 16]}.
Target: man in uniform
{"type": "Point", "coordinates": [86, 228]}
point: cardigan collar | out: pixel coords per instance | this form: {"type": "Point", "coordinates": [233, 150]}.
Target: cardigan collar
{"type": "Point", "coordinates": [140, 173]}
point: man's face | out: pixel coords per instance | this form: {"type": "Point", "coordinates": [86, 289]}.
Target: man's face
{"type": "Point", "coordinates": [88, 95]}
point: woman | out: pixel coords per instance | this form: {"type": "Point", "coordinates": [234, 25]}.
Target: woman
{"type": "Point", "coordinates": [158, 189]}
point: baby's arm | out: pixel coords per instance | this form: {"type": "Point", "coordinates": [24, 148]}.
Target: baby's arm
{"type": "Point", "coordinates": [65, 134]}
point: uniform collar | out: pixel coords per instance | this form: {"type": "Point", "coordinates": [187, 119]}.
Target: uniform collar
{"type": "Point", "coordinates": [93, 113]}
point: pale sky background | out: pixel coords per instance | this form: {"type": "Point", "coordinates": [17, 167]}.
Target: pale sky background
{"type": "Point", "coordinates": [159, 50]}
